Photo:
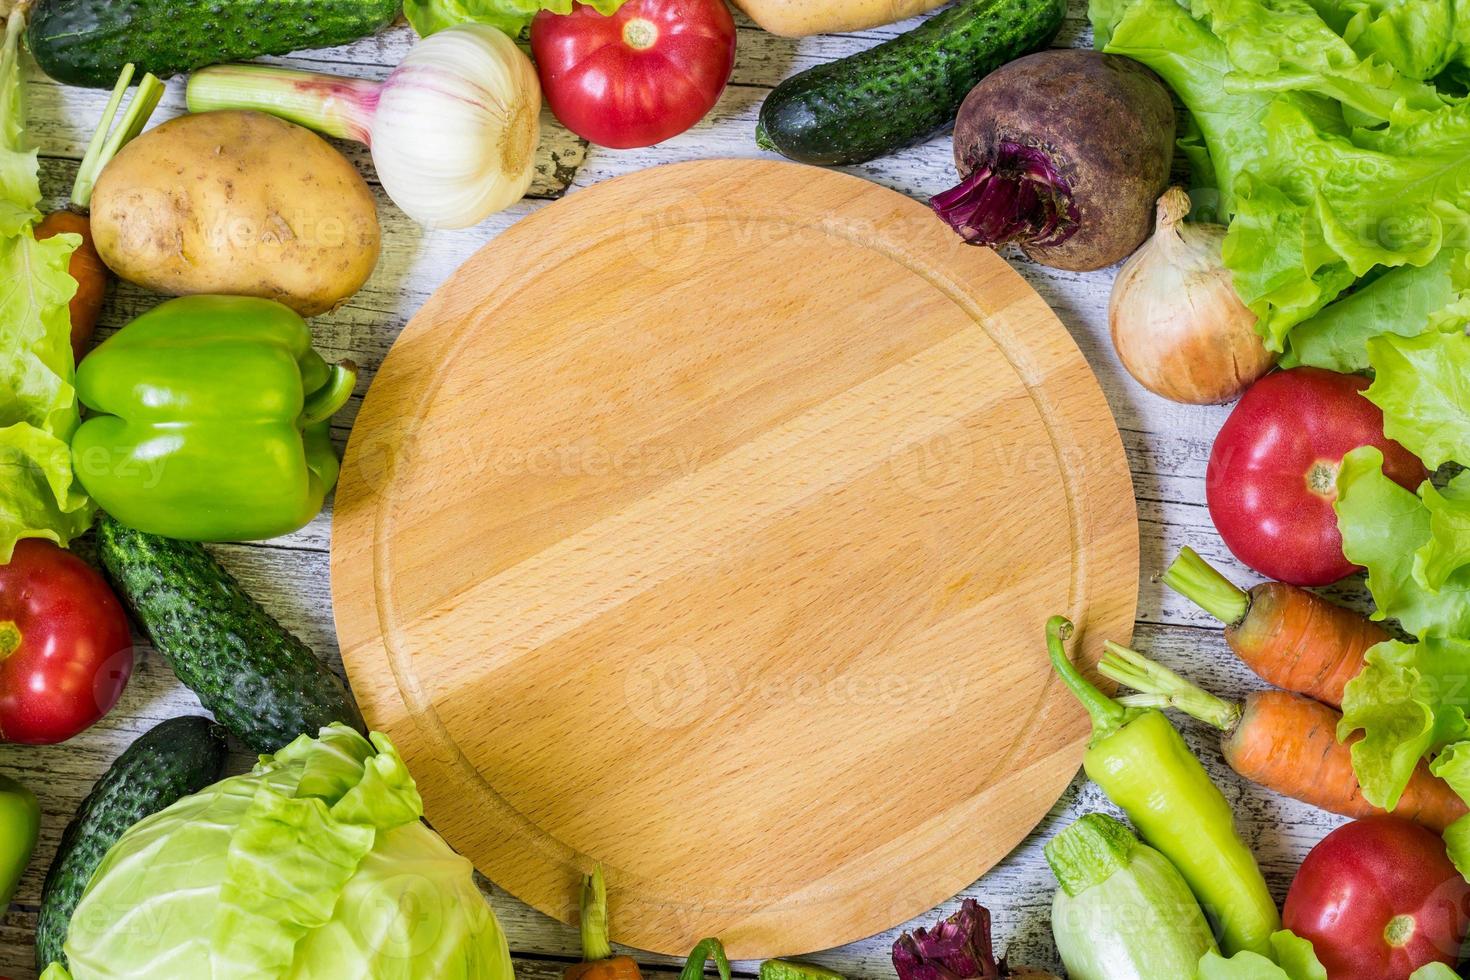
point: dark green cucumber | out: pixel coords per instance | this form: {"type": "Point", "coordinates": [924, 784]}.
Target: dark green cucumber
{"type": "Point", "coordinates": [261, 682]}
{"type": "Point", "coordinates": [177, 758]}
{"type": "Point", "coordinates": [87, 42]}
{"type": "Point", "coordinates": [905, 90]}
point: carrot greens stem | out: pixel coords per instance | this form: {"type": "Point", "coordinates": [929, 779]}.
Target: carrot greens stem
{"type": "Point", "coordinates": [1194, 578]}
{"type": "Point", "coordinates": [1160, 687]}
{"type": "Point", "coordinates": [595, 943]}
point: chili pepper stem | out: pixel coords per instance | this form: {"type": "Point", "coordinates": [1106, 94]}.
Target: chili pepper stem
{"type": "Point", "coordinates": [1160, 687]}
{"type": "Point", "coordinates": [327, 400]}
{"type": "Point", "coordinates": [1107, 715]}
{"type": "Point", "coordinates": [703, 951]}
{"type": "Point", "coordinates": [595, 944]}
{"type": "Point", "coordinates": [107, 140]}
{"type": "Point", "coordinates": [1195, 579]}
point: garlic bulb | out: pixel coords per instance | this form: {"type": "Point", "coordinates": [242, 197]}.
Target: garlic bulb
{"type": "Point", "coordinates": [453, 129]}
{"type": "Point", "coordinates": [1177, 323]}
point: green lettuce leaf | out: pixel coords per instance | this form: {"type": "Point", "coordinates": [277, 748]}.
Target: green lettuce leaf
{"type": "Point", "coordinates": [38, 406]}
{"type": "Point", "coordinates": [1226, 127]}
{"type": "Point", "coordinates": [510, 16]}
{"type": "Point", "coordinates": [1453, 766]}
{"type": "Point", "coordinates": [1314, 220]}
{"type": "Point", "coordinates": [1421, 39]}
{"type": "Point", "coordinates": [1292, 958]}
{"type": "Point", "coordinates": [1448, 549]}
{"type": "Point", "coordinates": [1389, 531]}
{"type": "Point", "coordinates": [1409, 702]}
{"type": "Point", "coordinates": [1407, 301]}
{"type": "Point", "coordinates": [1423, 386]}
{"type": "Point", "coordinates": [1285, 45]}
{"type": "Point", "coordinates": [1434, 971]}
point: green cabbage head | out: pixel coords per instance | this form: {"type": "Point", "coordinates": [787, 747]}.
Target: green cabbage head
{"type": "Point", "coordinates": [312, 866]}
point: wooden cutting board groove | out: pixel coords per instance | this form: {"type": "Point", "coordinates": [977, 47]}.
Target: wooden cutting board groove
{"type": "Point", "coordinates": [703, 525]}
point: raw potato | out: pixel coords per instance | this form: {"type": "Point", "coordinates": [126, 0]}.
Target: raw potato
{"type": "Point", "coordinates": [800, 18]}
{"type": "Point", "coordinates": [238, 203]}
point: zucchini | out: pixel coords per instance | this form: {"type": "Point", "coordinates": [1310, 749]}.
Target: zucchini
{"type": "Point", "coordinates": [173, 760]}
{"type": "Point", "coordinates": [259, 679]}
{"type": "Point", "coordinates": [902, 91]}
{"type": "Point", "coordinates": [87, 42]}
{"type": "Point", "coordinates": [1123, 912]}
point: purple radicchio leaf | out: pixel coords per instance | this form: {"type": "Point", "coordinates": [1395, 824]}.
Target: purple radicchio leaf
{"type": "Point", "coordinates": [956, 948]}
{"type": "Point", "coordinates": [1016, 196]}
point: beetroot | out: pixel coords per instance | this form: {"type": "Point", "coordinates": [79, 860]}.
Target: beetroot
{"type": "Point", "coordinates": [1063, 153]}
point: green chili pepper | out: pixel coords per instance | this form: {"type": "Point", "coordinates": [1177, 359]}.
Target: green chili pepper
{"type": "Point", "coordinates": [210, 422]}
{"type": "Point", "coordinates": [1143, 765]}
{"type": "Point", "coordinates": [788, 970]}
{"type": "Point", "coordinates": [703, 951]}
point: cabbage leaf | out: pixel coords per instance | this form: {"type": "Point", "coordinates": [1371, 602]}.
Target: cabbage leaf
{"type": "Point", "coordinates": [315, 865]}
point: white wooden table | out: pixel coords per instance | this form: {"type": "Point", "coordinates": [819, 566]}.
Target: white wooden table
{"type": "Point", "coordinates": [1167, 449]}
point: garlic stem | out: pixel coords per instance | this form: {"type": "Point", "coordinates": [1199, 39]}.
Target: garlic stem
{"type": "Point", "coordinates": [331, 104]}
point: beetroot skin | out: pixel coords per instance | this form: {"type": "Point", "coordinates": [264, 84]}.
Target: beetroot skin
{"type": "Point", "coordinates": [1064, 154]}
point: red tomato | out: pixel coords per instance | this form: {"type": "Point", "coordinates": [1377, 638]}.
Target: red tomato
{"type": "Point", "coordinates": [1272, 475]}
{"type": "Point", "coordinates": [65, 650]}
{"type": "Point", "coordinates": [1379, 899]}
{"type": "Point", "coordinates": [648, 72]}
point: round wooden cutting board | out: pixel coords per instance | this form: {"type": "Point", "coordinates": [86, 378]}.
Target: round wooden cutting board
{"type": "Point", "coordinates": [704, 525]}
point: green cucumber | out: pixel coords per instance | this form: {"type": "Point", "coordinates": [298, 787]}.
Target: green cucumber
{"type": "Point", "coordinates": [905, 90]}
{"type": "Point", "coordinates": [177, 758]}
{"type": "Point", "coordinates": [259, 679]}
{"type": "Point", "coordinates": [87, 42]}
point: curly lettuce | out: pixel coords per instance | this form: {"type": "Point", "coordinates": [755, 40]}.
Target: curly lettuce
{"type": "Point", "coordinates": [510, 16]}
{"type": "Point", "coordinates": [1225, 133]}
{"type": "Point", "coordinates": [1409, 552]}
{"type": "Point", "coordinates": [1292, 958]}
{"type": "Point", "coordinates": [1320, 125]}
{"type": "Point", "coordinates": [1423, 386]}
{"type": "Point", "coordinates": [1286, 45]}
{"type": "Point", "coordinates": [1407, 301]}
{"type": "Point", "coordinates": [38, 407]}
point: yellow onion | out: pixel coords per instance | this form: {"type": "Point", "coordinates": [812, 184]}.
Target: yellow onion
{"type": "Point", "coordinates": [1177, 323]}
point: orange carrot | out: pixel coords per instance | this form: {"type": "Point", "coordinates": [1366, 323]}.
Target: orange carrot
{"type": "Point", "coordinates": [1290, 637]}
{"type": "Point", "coordinates": [1278, 732]}
{"type": "Point", "coordinates": [1283, 741]}
{"type": "Point", "coordinates": [616, 968]}
{"type": "Point", "coordinates": [598, 961]}
{"type": "Point", "coordinates": [86, 266]}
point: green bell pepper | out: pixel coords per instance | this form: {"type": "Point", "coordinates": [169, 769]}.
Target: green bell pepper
{"type": "Point", "coordinates": [1142, 763]}
{"type": "Point", "coordinates": [20, 823]}
{"type": "Point", "coordinates": [211, 419]}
